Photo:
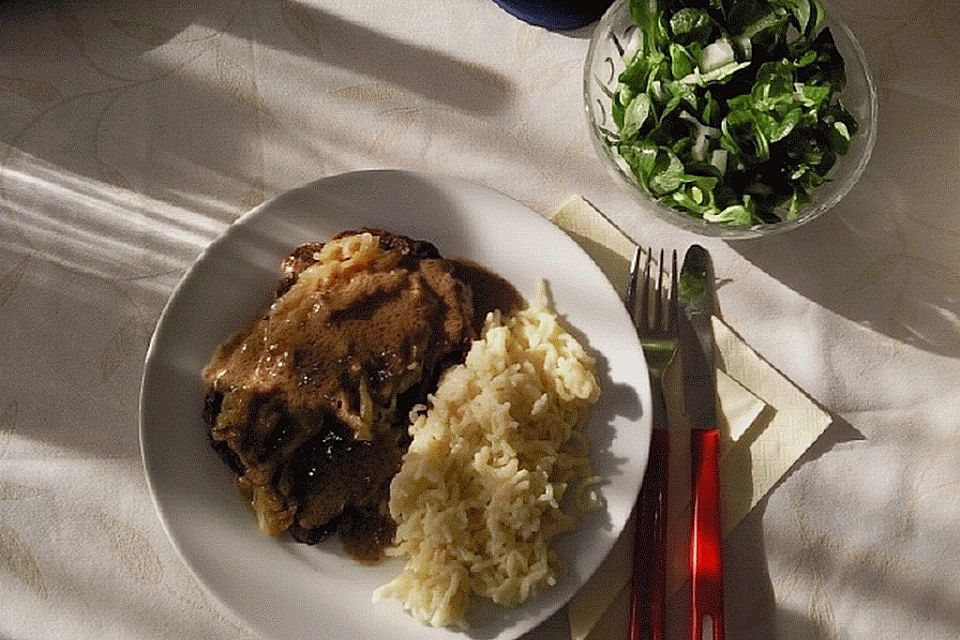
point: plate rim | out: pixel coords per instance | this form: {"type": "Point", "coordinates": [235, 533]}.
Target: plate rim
{"type": "Point", "coordinates": [447, 181]}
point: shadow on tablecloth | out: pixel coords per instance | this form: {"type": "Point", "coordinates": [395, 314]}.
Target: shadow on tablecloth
{"type": "Point", "coordinates": [887, 256]}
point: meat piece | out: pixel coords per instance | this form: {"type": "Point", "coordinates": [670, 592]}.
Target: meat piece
{"type": "Point", "coordinates": [295, 263]}
{"type": "Point", "coordinates": [308, 254]}
{"type": "Point", "coordinates": [308, 404]}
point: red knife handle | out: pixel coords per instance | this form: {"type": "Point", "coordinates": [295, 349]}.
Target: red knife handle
{"type": "Point", "coordinates": [706, 562]}
{"type": "Point", "coordinates": [648, 596]}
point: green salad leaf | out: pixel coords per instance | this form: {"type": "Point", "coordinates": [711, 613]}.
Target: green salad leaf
{"type": "Point", "coordinates": [730, 110]}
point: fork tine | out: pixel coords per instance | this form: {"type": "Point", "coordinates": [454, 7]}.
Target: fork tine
{"type": "Point", "coordinates": [645, 294]}
{"type": "Point", "coordinates": [674, 291]}
{"type": "Point", "coordinates": [631, 299]}
{"type": "Point", "coordinates": [659, 302]}
{"type": "Point", "coordinates": [658, 310]}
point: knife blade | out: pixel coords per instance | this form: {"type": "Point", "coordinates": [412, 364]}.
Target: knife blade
{"type": "Point", "coordinates": [695, 328]}
{"type": "Point", "coordinates": [696, 338]}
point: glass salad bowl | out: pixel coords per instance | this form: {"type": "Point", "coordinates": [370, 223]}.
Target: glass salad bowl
{"type": "Point", "coordinates": [616, 33]}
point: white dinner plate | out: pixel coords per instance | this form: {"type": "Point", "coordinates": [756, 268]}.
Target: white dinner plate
{"type": "Point", "coordinates": [286, 590]}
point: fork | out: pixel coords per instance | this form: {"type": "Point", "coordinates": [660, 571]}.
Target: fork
{"type": "Point", "coordinates": [656, 324]}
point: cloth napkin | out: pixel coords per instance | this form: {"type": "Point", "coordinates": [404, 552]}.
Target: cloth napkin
{"type": "Point", "coordinates": [766, 424]}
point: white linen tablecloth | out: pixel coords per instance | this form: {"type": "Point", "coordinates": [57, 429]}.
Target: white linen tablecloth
{"type": "Point", "coordinates": [132, 133]}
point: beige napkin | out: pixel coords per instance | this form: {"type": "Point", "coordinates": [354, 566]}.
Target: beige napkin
{"type": "Point", "coordinates": [766, 423]}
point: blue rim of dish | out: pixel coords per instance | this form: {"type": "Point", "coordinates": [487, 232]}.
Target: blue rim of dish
{"type": "Point", "coordinates": [558, 15]}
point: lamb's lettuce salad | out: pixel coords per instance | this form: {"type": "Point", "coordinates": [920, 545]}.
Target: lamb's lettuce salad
{"type": "Point", "coordinates": [729, 110]}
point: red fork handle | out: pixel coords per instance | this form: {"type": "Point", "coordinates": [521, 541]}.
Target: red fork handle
{"type": "Point", "coordinates": [706, 562]}
{"type": "Point", "coordinates": [647, 597]}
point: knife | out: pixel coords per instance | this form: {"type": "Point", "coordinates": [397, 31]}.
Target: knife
{"type": "Point", "coordinates": [699, 404]}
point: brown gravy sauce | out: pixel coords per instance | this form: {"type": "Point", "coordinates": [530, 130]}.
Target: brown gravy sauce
{"type": "Point", "coordinates": [365, 538]}
{"type": "Point", "coordinates": [490, 291]}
